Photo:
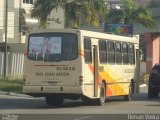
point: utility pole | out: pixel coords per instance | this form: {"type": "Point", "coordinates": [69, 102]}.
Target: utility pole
{"type": "Point", "coordinates": [5, 43]}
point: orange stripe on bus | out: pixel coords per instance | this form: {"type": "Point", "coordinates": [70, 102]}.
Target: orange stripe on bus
{"type": "Point", "coordinates": [91, 68]}
{"type": "Point", "coordinates": [108, 78]}
{"type": "Point", "coordinates": [108, 91]}
{"type": "Point", "coordinates": [81, 53]}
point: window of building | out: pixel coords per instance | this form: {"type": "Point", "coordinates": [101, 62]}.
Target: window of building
{"type": "Point", "coordinates": [102, 51]}
{"type": "Point", "coordinates": [87, 49]}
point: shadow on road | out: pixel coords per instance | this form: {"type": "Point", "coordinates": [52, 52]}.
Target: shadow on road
{"type": "Point", "coordinates": [39, 103]}
{"type": "Point", "coordinates": [21, 103]}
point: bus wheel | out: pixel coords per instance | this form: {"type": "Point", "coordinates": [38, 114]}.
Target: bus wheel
{"type": "Point", "coordinates": [102, 99]}
{"type": "Point", "coordinates": [129, 96]}
{"type": "Point", "coordinates": [54, 101]}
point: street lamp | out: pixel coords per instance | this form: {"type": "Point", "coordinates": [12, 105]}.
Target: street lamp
{"type": "Point", "coordinates": [5, 45]}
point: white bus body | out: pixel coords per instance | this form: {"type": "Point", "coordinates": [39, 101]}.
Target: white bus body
{"type": "Point", "coordinates": [76, 63]}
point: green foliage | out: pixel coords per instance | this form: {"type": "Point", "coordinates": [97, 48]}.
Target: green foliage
{"type": "Point", "coordinates": [42, 8]}
{"type": "Point", "coordinates": [115, 16]}
{"type": "Point", "coordinates": [8, 85]}
{"type": "Point", "coordinates": [74, 10]}
{"type": "Point", "coordinates": [132, 13]}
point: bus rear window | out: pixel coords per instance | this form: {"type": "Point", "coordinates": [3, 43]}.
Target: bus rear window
{"type": "Point", "coordinates": [52, 47]}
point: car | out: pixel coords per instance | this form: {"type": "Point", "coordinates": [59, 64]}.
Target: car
{"type": "Point", "coordinates": [154, 82]}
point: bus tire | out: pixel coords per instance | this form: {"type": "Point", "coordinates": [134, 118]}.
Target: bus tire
{"type": "Point", "coordinates": [54, 101]}
{"type": "Point", "coordinates": [132, 84]}
{"type": "Point", "coordinates": [129, 96]}
{"type": "Point", "coordinates": [101, 101]}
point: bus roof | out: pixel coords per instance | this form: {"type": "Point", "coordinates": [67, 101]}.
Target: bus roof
{"type": "Point", "coordinates": [98, 35]}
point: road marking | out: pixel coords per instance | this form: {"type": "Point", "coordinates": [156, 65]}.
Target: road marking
{"type": "Point", "coordinates": [82, 118]}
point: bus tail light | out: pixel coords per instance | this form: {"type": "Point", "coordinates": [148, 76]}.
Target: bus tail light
{"type": "Point", "coordinates": [80, 80]}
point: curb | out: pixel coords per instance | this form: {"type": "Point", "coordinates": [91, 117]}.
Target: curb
{"type": "Point", "coordinates": [14, 94]}
{"type": "Point", "coordinates": [4, 93]}
{"type": "Point", "coordinates": [19, 95]}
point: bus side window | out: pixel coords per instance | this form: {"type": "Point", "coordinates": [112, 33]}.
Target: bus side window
{"type": "Point", "coordinates": [111, 52]}
{"type": "Point", "coordinates": [87, 49]}
{"type": "Point", "coordinates": [131, 53]}
{"type": "Point", "coordinates": [118, 53]}
{"type": "Point", "coordinates": [125, 53]}
{"type": "Point", "coordinates": [102, 51]}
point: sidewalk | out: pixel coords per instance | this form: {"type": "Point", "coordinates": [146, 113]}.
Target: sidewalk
{"type": "Point", "coordinates": [13, 94]}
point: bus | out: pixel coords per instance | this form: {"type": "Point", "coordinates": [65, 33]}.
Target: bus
{"type": "Point", "coordinates": [71, 64]}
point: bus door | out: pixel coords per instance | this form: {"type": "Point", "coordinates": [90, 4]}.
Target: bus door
{"type": "Point", "coordinates": [137, 71]}
{"type": "Point", "coordinates": [95, 64]}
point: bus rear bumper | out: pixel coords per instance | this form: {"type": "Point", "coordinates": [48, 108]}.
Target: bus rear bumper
{"type": "Point", "coordinates": [52, 89]}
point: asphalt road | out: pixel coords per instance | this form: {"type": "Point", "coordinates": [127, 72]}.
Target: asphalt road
{"type": "Point", "coordinates": [77, 110]}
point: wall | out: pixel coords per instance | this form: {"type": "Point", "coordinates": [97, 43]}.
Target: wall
{"type": "Point", "coordinates": [13, 22]}
{"type": "Point", "coordinates": [152, 50]}
{"type": "Point", "coordinates": [14, 64]}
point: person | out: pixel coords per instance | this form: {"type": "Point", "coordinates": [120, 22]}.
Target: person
{"type": "Point", "coordinates": [46, 48]}
{"type": "Point", "coordinates": [47, 45]}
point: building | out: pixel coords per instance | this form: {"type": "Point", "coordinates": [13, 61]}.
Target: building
{"type": "Point", "coordinates": [15, 39]}
{"type": "Point", "coordinates": [19, 20]}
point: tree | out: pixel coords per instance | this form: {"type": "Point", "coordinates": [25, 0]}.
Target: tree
{"type": "Point", "coordinates": [43, 8]}
{"type": "Point", "coordinates": [131, 13]}
{"type": "Point", "coordinates": [90, 9]}
{"type": "Point", "coordinates": [74, 11]}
